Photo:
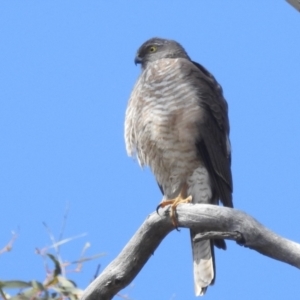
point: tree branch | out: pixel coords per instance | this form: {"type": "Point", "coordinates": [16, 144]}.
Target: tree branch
{"type": "Point", "coordinates": [214, 221]}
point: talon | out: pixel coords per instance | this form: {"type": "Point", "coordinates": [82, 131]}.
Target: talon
{"type": "Point", "coordinates": [157, 208]}
{"type": "Point", "coordinates": [174, 203]}
{"type": "Point", "coordinates": [163, 204]}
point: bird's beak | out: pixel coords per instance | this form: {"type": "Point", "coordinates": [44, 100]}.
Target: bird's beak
{"type": "Point", "coordinates": [137, 60]}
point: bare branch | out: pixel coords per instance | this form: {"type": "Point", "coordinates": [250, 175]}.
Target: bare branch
{"type": "Point", "coordinates": [213, 221]}
{"type": "Point", "coordinates": [9, 245]}
{"type": "Point", "coordinates": [294, 3]}
{"type": "Point", "coordinates": [235, 236]}
{"type": "Point", "coordinates": [64, 222]}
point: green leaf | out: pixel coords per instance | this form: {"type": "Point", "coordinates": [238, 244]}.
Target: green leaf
{"type": "Point", "coordinates": [65, 283]}
{"type": "Point", "coordinates": [14, 284]}
{"type": "Point", "coordinates": [68, 288]}
{"type": "Point", "coordinates": [37, 285]}
{"type": "Point", "coordinates": [22, 297]}
{"type": "Point", "coordinates": [57, 270]}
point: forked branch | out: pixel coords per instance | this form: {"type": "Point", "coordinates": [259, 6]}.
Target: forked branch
{"type": "Point", "coordinates": [214, 221]}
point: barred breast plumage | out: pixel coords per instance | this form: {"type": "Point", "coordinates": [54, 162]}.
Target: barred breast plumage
{"type": "Point", "coordinates": [163, 125]}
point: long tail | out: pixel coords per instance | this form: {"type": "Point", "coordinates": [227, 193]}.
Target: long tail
{"type": "Point", "coordinates": [203, 262]}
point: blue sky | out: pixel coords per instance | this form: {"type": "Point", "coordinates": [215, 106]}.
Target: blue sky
{"type": "Point", "coordinates": [66, 72]}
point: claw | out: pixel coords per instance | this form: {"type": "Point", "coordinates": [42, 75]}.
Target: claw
{"type": "Point", "coordinates": [157, 208]}
{"type": "Point", "coordinates": [174, 203]}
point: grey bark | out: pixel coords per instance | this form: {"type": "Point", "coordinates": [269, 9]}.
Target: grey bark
{"type": "Point", "coordinates": [295, 3]}
{"type": "Point", "coordinates": [214, 221]}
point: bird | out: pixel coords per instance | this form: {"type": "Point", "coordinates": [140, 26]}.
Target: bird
{"type": "Point", "coordinates": [177, 124]}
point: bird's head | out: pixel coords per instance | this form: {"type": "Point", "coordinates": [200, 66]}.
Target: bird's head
{"type": "Point", "coordinates": [157, 48]}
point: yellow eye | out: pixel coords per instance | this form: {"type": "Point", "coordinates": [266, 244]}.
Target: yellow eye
{"type": "Point", "coordinates": [152, 49]}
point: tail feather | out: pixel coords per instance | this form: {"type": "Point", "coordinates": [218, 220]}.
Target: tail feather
{"type": "Point", "coordinates": [203, 263]}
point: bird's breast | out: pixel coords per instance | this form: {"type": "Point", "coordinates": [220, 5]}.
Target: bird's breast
{"type": "Point", "coordinates": [167, 123]}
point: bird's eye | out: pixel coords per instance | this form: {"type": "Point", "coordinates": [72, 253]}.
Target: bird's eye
{"type": "Point", "coordinates": [152, 49]}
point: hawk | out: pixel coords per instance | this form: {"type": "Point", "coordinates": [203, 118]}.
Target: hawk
{"type": "Point", "coordinates": [177, 124]}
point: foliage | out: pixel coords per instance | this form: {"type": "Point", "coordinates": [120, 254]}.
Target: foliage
{"type": "Point", "coordinates": [56, 285]}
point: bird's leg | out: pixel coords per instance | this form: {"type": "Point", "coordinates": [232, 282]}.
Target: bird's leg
{"type": "Point", "coordinates": [181, 198]}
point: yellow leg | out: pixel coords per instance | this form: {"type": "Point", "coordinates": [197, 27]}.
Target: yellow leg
{"type": "Point", "coordinates": [174, 203]}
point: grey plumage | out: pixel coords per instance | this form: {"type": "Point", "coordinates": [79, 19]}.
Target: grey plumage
{"type": "Point", "coordinates": [177, 123]}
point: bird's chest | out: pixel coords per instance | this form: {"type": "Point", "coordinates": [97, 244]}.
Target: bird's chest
{"type": "Point", "coordinates": [167, 122]}
{"type": "Point", "coordinates": [168, 116]}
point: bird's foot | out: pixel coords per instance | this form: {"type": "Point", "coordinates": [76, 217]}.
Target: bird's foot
{"type": "Point", "coordinates": [174, 203]}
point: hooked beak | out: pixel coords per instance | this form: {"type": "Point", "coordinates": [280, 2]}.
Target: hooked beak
{"type": "Point", "coordinates": [137, 60]}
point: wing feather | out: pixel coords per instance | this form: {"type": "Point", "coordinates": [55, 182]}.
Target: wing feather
{"type": "Point", "coordinates": [213, 143]}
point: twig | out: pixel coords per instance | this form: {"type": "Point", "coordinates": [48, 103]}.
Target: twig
{"type": "Point", "coordinates": [9, 245]}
